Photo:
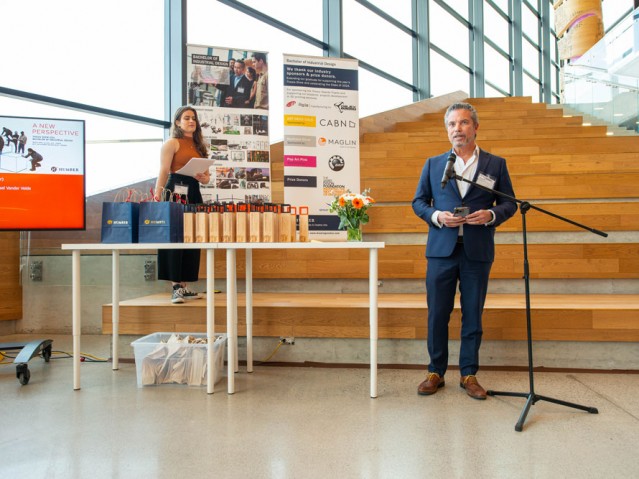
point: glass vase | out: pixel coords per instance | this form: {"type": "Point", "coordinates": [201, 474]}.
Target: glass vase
{"type": "Point", "coordinates": [353, 234]}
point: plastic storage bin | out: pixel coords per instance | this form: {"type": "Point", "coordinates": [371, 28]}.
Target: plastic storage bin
{"type": "Point", "coordinates": [160, 362]}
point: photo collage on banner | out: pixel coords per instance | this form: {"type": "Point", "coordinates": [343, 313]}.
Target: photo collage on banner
{"type": "Point", "coordinates": [229, 88]}
{"type": "Point", "coordinates": [321, 137]}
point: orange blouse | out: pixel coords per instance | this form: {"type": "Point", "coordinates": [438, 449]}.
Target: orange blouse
{"type": "Point", "coordinates": [186, 151]}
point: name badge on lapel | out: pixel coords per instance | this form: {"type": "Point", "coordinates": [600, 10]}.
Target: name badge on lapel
{"type": "Point", "coordinates": [486, 180]}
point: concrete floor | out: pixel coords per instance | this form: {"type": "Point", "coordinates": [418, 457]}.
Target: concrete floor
{"type": "Point", "coordinates": [291, 422]}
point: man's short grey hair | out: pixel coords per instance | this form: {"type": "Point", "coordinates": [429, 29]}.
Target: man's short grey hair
{"type": "Point", "coordinates": [462, 106]}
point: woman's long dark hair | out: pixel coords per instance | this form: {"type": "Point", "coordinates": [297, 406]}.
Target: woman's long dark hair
{"type": "Point", "coordinates": [198, 138]}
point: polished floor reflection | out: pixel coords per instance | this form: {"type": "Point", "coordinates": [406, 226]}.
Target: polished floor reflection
{"type": "Point", "coordinates": [290, 422]}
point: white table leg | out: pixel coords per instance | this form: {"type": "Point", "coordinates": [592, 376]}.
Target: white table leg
{"type": "Point", "coordinates": [373, 318]}
{"type": "Point", "coordinates": [249, 310]}
{"type": "Point", "coordinates": [231, 316]}
{"type": "Point", "coordinates": [77, 318]}
{"type": "Point", "coordinates": [115, 308]}
{"type": "Point", "coordinates": [210, 321]}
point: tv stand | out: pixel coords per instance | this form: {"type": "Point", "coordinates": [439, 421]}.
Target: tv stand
{"type": "Point", "coordinates": [27, 351]}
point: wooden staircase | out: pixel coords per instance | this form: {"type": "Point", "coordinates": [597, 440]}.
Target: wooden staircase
{"type": "Point", "coordinates": [567, 168]}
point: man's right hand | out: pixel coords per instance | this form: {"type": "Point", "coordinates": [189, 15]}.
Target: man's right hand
{"type": "Point", "coordinates": [449, 220]}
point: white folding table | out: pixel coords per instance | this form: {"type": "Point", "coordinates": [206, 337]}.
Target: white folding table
{"type": "Point", "coordinates": [231, 292]}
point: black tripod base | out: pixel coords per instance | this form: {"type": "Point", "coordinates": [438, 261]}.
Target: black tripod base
{"type": "Point", "coordinates": [532, 399]}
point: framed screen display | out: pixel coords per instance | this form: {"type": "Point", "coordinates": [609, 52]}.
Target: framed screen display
{"type": "Point", "coordinates": [42, 174]}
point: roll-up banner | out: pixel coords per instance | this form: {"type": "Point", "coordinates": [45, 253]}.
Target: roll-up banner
{"type": "Point", "coordinates": [229, 88]}
{"type": "Point", "coordinates": [321, 137]}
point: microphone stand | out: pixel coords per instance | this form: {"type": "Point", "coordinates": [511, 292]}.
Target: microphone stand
{"type": "Point", "coordinates": [531, 396]}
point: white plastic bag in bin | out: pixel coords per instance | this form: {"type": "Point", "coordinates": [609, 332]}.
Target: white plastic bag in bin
{"type": "Point", "coordinates": [176, 358]}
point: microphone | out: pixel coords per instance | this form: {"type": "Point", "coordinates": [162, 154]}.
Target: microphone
{"type": "Point", "coordinates": [449, 172]}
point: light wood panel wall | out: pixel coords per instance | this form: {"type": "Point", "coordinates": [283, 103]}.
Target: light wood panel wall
{"type": "Point", "coordinates": [607, 217]}
{"type": "Point", "coordinates": [10, 288]}
{"type": "Point", "coordinates": [547, 261]}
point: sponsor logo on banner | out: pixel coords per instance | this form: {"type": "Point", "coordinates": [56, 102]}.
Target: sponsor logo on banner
{"type": "Point", "coordinates": [323, 141]}
{"type": "Point", "coordinates": [300, 181]}
{"type": "Point", "coordinates": [336, 163]}
{"type": "Point", "coordinates": [302, 161]}
{"type": "Point", "coordinates": [337, 123]}
{"type": "Point", "coordinates": [300, 120]}
{"type": "Point", "coordinates": [324, 223]}
{"type": "Point", "coordinates": [299, 140]}
{"type": "Point", "coordinates": [342, 107]}
{"type": "Point", "coordinates": [331, 188]}
{"type": "Point", "coordinates": [302, 104]}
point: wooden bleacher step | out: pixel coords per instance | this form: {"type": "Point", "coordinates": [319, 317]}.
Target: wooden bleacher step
{"type": "Point", "coordinates": [578, 317]}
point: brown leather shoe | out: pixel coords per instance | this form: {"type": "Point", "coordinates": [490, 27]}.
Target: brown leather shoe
{"type": "Point", "coordinates": [472, 387]}
{"type": "Point", "coordinates": [431, 384]}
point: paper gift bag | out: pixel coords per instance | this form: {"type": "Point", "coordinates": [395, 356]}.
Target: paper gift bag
{"type": "Point", "coordinates": [293, 224]}
{"type": "Point", "coordinates": [215, 223]}
{"type": "Point", "coordinates": [284, 219]}
{"type": "Point", "coordinates": [255, 222]}
{"type": "Point", "coordinates": [202, 224]}
{"type": "Point", "coordinates": [161, 222]}
{"type": "Point", "coordinates": [120, 222]}
{"type": "Point", "coordinates": [228, 223]}
{"type": "Point", "coordinates": [271, 223]}
{"type": "Point", "coordinates": [189, 223]}
{"type": "Point", "coordinates": [241, 223]}
{"type": "Point", "coordinates": [303, 219]}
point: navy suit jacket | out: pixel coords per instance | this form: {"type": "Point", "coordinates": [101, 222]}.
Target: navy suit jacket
{"type": "Point", "coordinates": [240, 93]}
{"type": "Point", "coordinates": [479, 243]}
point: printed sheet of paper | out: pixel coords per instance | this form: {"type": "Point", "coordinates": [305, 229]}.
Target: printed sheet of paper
{"type": "Point", "coordinates": [195, 166]}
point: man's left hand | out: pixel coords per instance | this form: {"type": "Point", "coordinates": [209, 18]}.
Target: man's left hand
{"type": "Point", "coordinates": [479, 217]}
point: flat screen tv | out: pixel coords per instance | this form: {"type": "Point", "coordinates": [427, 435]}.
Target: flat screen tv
{"type": "Point", "coordinates": [42, 165]}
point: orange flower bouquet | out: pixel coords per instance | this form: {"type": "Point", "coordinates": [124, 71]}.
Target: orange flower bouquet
{"type": "Point", "coordinates": [351, 210]}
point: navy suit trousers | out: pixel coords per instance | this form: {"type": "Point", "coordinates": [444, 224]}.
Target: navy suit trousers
{"type": "Point", "coordinates": [442, 277]}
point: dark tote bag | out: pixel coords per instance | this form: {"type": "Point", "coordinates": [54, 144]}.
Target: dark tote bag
{"type": "Point", "coordinates": [161, 222]}
{"type": "Point", "coordinates": [120, 222]}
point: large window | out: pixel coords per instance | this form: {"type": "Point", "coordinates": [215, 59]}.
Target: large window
{"type": "Point", "coordinates": [381, 44]}
{"type": "Point", "coordinates": [305, 16]}
{"type": "Point", "coordinates": [615, 10]}
{"type": "Point", "coordinates": [398, 9]}
{"type": "Point", "coordinates": [111, 55]}
{"type": "Point", "coordinates": [449, 34]}
{"type": "Point", "coordinates": [107, 54]}
{"type": "Point", "coordinates": [497, 27]}
{"type": "Point", "coordinates": [447, 76]}
{"type": "Point", "coordinates": [93, 53]}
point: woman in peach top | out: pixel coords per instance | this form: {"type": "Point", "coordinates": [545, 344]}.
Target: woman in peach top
{"type": "Point", "coordinates": [186, 142]}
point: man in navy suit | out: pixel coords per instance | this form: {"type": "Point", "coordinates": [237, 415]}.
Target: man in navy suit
{"type": "Point", "coordinates": [460, 247]}
{"type": "Point", "coordinates": [237, 93]}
